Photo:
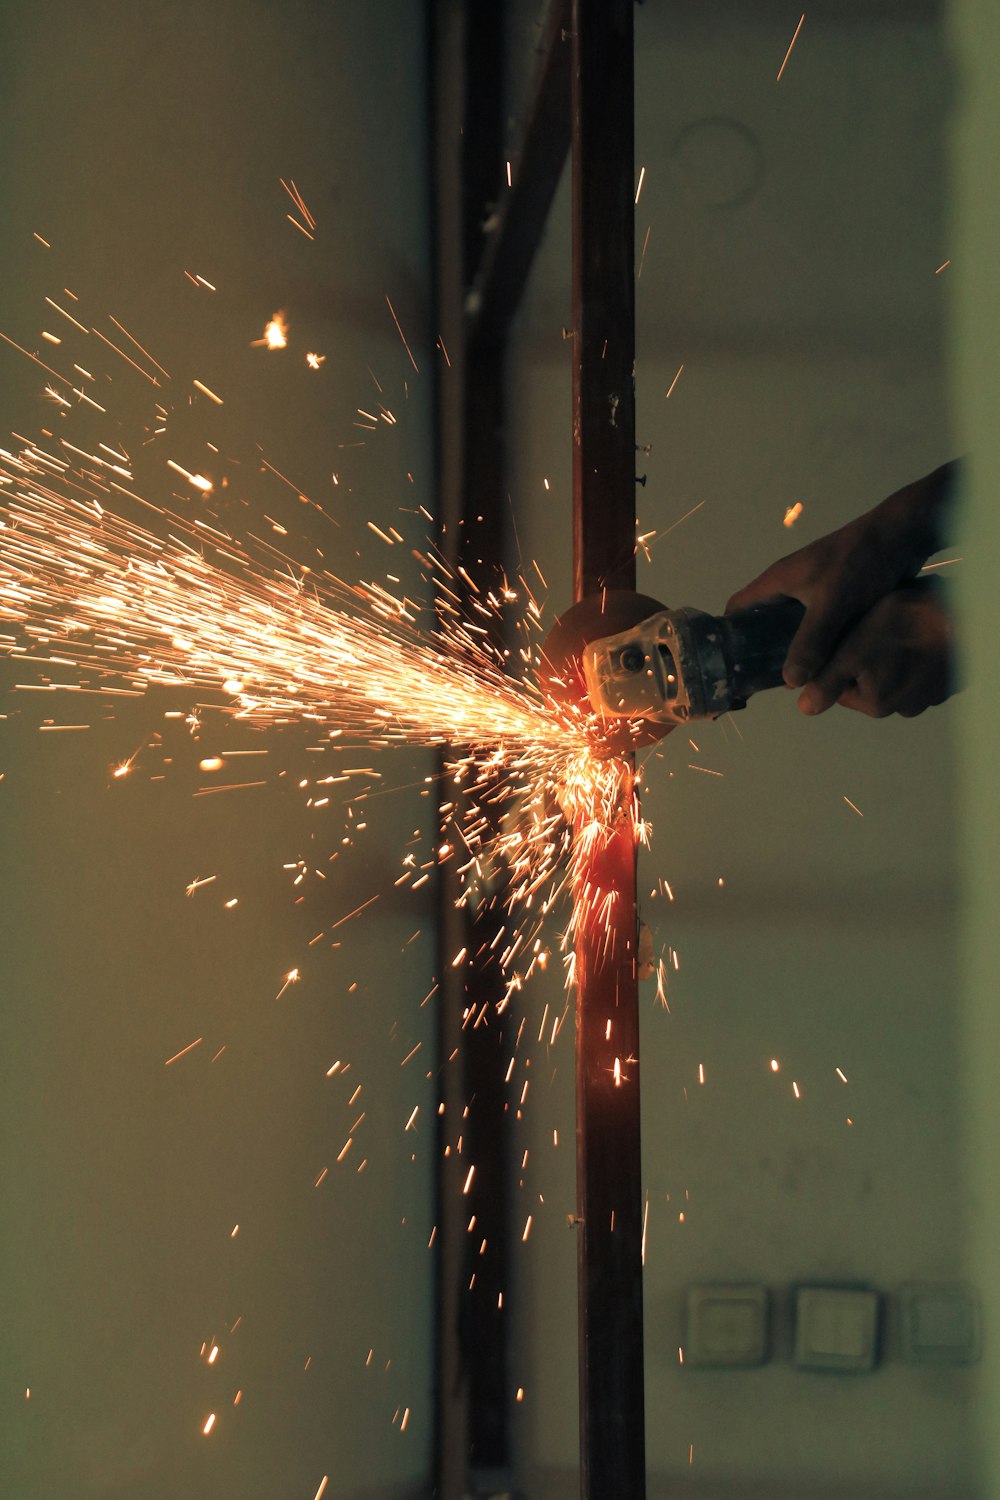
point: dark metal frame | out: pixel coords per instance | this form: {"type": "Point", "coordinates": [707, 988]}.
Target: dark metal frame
{"type": "Point", "coordinates": [583, 96]}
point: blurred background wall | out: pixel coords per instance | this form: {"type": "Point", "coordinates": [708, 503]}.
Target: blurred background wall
{"type": "Point", "coordinates": [143, 142]}
{"type": "Point", "coordinates": [792, 350]}
{"type": "Point", "coordinates": [790, 237]}
{"type": "Point", "coordinates": [975, 28]}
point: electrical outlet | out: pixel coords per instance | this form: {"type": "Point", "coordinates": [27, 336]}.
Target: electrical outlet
{"type": "Point", "coordinates": [836, 1328]}
{"type": "Point", "coordinates": [727, 1326]}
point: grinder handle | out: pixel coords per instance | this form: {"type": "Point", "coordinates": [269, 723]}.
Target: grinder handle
{"type": "Point", "coordinates": [756, 642]}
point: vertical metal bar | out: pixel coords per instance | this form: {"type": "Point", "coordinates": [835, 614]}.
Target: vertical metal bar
{"type": "Point", "coordinates": [472, 1428]}
{"type": "Point", "coordinates": [485, 1044]}
{"type": "Point", "coordinates": [603, 297]}
{"type": "Point", "coordinates": [451, 1396]}
{"type": "Point", "coordinates": [609, 1207]}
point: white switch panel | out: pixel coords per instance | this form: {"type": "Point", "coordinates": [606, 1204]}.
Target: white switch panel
{"type": "Point", "coordinates": [727, 1326]}
{"type": "Point", "coordinates": [836, 1328]}
{"type": "Point", "coordinates": [939, 1323]}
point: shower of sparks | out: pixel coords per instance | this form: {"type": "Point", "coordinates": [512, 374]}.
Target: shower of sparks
{"type": "Point", "coordinates": [129, 609]}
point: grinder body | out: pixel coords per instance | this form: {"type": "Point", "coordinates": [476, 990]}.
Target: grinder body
{"type": "Point", "coordinates": [683, 664]}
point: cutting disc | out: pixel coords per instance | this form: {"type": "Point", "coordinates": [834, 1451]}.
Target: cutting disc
{"type": "Point", "coordinates": [561, 676]}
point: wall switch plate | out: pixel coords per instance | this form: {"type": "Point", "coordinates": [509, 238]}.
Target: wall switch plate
{"type": "Point", "coordinates": [727, 1326]}
{"type": "Point", "coordinates": [836, 1328]}
{"type": "Point", "coordinates": [939, 1323]}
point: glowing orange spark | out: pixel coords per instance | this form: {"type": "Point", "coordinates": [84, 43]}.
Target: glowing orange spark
{"type": "Point", "coordinates": [183, 1051]}
{"type": "Point", "coordinates": [674, 382]}
{"type": "Point", "coordinates": [275, 334]}
{"type": "Point", "coordinates": [125, 767]}
{"type": "Point", "coordinates": [126, 357]}
{"type": "Point", "coordinates": [402, 336]}
{"type": "Point", "coordinates": [791, 44]}
{"type": "Point", "coordinates": [198, 481]}
{"type": "Point", "coordinates": [67, 315]}
{"type": "Point", "coordinates": [298, 200]}
{"type": "Point", "coordinates": [292, 977]}
{"type": "Point", "coordinates": [645, 247]}
{"type": "Point", "coordinates": [205, 391]}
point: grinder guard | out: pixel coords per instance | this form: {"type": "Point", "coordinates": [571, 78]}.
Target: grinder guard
{"type": "Point", "coordinates": [683, 664]}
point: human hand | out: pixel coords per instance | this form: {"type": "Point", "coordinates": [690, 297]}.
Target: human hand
{"type": "Point", "coordinates": [898, 658]}
{"type": "Point", "coordinates": [841, 576]}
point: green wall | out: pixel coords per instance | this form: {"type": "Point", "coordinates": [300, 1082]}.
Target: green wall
{"type": "Point", "coordinates": [143, 141]}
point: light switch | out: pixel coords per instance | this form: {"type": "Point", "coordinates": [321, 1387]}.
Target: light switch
{"type": "Point", "coordinates": [727, 1326]}
{"type": "Point", "coordinates": [939, 1323]}
{"type": "Point", "coordinates": [836, 1328]}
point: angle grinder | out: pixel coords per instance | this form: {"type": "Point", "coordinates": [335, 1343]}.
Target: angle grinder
{"type": "Point", "coordinates": [644, 669]}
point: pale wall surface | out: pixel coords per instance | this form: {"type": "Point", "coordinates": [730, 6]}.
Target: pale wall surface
{"type": "Point", "coordinates": [143, 141]}
{"type": "Point", "coordinates": [811, 326]}
{"type": "Point", "coordinates": [976, 31]}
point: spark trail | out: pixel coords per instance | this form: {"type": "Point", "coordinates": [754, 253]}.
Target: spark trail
{"type": "Point", "coordinates": [84, 588]}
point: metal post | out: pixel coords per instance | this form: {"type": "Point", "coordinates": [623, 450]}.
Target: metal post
{"type": "Point", "coordinates": [608, 1162]}
{"type": "Point", "coordinates": [609, 1207]}
{"type": "Point", "coordinates": [472, 1396]}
